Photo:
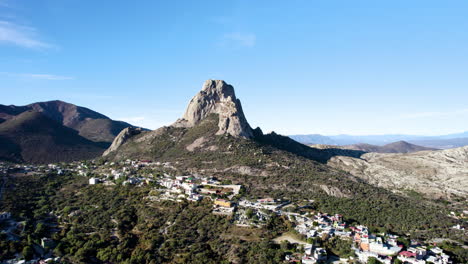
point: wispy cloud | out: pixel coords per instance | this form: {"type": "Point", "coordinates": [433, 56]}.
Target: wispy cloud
{"type": "Point", "coordinates": [48, 77]}
{"type": "Point", "coordinates": [240, 39]}
{"type": "Point", "coordinates": [23, 36]}
{"type": "Point", "coordinates": [51, 77]}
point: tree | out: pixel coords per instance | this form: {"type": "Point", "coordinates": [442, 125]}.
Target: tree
{"type": "Point", "coordinates": [249, 213]}
{"type": "Point", "coordinates": [284, 245]}
{"type": "Point", "coordinates": [373, 260]}
{"type": "Point", "coordinates": [28, 252]}
{"type": "Point", "coordinates": [40, 230]}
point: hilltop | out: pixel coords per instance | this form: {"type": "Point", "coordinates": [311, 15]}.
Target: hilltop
{"type": "Point", "coordinates": [54, 131]}
{"type": "Point", "coordinates": [395, 147]}
{"type": "Point", "coordinates": [35, 138]}
{"type": "Point", "coordinates": [88, 123]}
{"type": "Point", "coordinates": [267, 164]}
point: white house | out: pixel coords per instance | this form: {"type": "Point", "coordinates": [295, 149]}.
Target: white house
{"type": "Point", "coordinates": [93, 181]}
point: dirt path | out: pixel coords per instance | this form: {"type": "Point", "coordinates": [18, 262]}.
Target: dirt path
{"type": "Point", "coordinates": [289, 237]}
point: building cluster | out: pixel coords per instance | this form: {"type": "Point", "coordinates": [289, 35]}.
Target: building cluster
{"type": "Point", "coordinates": [195, 188]}
{"type": "Point", "coordinates": [419, 254]}
{"type": "Point", "coordinates": [248, 213]}
{"type": "Point", "coordinates": [256, 213]}
{"type": "Point", "coordinates": [319, 225]}
{"type": "Point", "coordinates": [384, 247]}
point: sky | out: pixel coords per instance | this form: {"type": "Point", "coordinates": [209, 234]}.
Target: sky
{"type": "Point", "coordinates": [299, 67]}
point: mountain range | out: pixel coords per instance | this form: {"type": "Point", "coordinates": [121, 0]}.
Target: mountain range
{"type": "Point", "coordinates": [439, 142]}
{"type": "Point", "coordinates": [395, 147]}
{"type": "Point", "coordinates": [54, 131]}
{"type": "Point", "coordinates": [214, 138]}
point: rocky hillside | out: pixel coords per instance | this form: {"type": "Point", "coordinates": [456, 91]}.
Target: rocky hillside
{"type": "Point", "coordinates": [204, 142]}
{"type": "Point", "coordinates": [88, 123]}
{"type": "Point", "coordinates": [35, 138]}
{"type": "Point", "coordinates": [436, 174]}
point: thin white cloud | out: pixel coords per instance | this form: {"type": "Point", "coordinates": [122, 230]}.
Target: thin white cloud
{"type": "Point", "coordinates": [50, 77]}
{"type": "Point", "coordinates": [241, 39]}
{"type": "Point", "coordinates": [23, 36]}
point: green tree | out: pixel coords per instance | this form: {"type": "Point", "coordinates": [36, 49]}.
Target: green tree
{"type": "Point", "coordinates": [249, 213]}
{"type": "Point", "coordinates": [373, 260]}
{"type": "Point", "coordinates": [28, 252]}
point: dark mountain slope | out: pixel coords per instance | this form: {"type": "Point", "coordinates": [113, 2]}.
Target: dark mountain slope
{"type": "Point", "coordinates": [89, 124]}
{"type": "Point", "coordinates": [35, 138]}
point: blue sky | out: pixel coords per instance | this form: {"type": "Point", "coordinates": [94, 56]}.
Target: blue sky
{"type": "Point", "coordinates": [329, 67]}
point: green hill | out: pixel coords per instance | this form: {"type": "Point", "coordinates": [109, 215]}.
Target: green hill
{"type": "Point", "coordinates": [273, 165]}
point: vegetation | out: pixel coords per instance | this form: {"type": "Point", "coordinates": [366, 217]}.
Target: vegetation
{"type": "Point", "coordinates": [292, 172]}
{"type": "Point", "coordinates": [100, 224]}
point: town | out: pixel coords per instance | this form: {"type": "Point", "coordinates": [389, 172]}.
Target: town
{"type": "Point", "coordinates": [309, 225]}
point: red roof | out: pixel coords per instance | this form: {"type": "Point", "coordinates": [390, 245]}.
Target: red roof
{"type": "Point", "coordinates": [408, 254]}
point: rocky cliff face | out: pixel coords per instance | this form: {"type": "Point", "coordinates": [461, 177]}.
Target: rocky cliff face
{"type": "Point", "coordinates": [121, 138]}
{"type": "Point", "coordinates": [217, 97]}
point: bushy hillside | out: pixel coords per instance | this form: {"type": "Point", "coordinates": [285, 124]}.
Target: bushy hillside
{"type": "Point", "coordinates": [272, 165]}
{"type": "Point", "coordinates": [33, 137]}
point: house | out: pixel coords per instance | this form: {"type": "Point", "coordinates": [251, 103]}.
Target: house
{"type": "Point", "coordinates": [195, 197]}
{"type": "Point", "coordinates": [308, 249]}
{"type": "Point", "coordinates": [320, 254]}
{"type": "Point", "coordinates": [93, 181]}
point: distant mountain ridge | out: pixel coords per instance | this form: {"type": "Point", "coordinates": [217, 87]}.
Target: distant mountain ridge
{"type": "Point", "coordinates": [54, 131]}
{"type": "Point", "coordinates": [395, 147]}
{"type": "Point", "coordinates": [88, 123]}
{"type": "Point", "coordinates": [439, 142]}
{"type": "Point", "coordinates": [35, 138]}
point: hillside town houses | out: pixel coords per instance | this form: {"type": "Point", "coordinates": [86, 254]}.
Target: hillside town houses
{"type": "Point", "coordinates": [254, 213]}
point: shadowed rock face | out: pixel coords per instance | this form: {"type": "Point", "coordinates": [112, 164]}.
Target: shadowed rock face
{"type": "Point", "coordinates": [217, 97]}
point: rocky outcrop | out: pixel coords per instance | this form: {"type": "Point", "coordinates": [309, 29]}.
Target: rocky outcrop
{"type": "Point", "coordinates": [217, 97]}
{"type": "Point", "coordinates": [122, 137]}
{"type": "Point", "coordinates": [437, 174]}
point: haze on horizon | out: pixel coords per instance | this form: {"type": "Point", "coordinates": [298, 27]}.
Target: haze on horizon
{"type": "Point", "coordinates": [299, 67]}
